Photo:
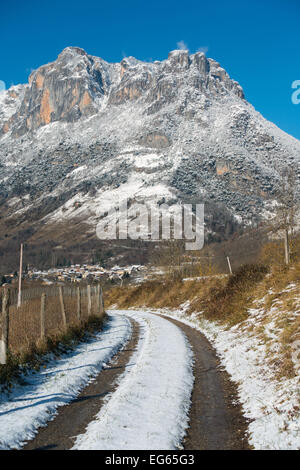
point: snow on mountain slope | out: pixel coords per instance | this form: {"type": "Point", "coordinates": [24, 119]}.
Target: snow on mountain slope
{"type": "Point", "coordinates": [83, 128]}
{"type": "Point", "coordinates": [10, 101]}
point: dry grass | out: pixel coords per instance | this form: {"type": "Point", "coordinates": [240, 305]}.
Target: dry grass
{"type": "Point", "coordinates": [281, 304]}
{"type": "Point", "coordinates": [273, 290]}
{"type": "Point", "coordinates": [156, 293]}
{"type": "Point", "coordinates": [222, 299]}
{"type": "Point", "coordinates": [25, 342]}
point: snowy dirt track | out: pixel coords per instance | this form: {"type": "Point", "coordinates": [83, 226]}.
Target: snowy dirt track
{"type": "Point", "coordinates": [145, 382]}
{"type": "Point", "coordinates": [32, 404]}
{"type": "Point", "coordinates": [147, 409]}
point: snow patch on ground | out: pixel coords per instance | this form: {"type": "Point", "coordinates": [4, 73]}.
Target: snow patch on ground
{"type": "Point", "coordinates": [271, 405]}
{"type": "Point", "coordinates": [32, 404]}
{"type": "Point", "coordinates": [149, 409]}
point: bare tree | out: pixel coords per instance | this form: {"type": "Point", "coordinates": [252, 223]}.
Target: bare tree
{"type": "Point", "coordinates": [286, 210]}
{"type": "Point", "coordinates": [170, 256]}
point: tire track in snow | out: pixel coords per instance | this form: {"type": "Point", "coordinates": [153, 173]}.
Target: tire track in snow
{"type": "Point", "coordinates": [216, 418]}
{"type": "Point", "coordinates": [149, 409]}
{"type": "Point", "coordinates": [73, 418]}
{"type": "Point", "coordinates": [33, 404]}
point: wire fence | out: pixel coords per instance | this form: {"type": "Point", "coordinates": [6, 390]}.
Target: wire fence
{"type": "Point", "coordinates": [45, 311]}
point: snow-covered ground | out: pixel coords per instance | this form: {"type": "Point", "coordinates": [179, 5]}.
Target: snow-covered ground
{"type": "Point", "coordinates": [271, 404]}
{"type": "Point", "coordinates": [32, 404]}
{"type": "Point", "coordinates": [149, 409]}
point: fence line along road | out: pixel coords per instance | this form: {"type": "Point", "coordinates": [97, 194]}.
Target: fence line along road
{"type": "Point", "coordinates": [45, 311]}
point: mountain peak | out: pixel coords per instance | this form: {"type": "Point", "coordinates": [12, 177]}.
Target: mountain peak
{"type": "Point", "coordinates": [178, 52]}
{"type": "Point", "coordinates": [84, 132]}
{"type": "Point", "coordinates": [75, 85]}
{"type": "Point", "coordinates": [71, 50]}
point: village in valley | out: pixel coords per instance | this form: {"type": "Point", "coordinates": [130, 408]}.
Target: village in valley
{"type": "Point", "coordinates": [78, 273]}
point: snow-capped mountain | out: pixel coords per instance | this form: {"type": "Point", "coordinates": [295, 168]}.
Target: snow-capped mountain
{"type": "Point", "coordinates": [83, 133]}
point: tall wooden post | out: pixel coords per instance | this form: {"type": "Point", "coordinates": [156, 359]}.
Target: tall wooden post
{"type": "Point", "coordinates": [43, 328]}
{"type": "Point", "coordinates": [62, 306]}
{"type": "Point", "coordinates": [20, 277]}
{"type": "Point", "coordinates": [78, 304]}
{"type": "Point", "coordinates": [229, 265]}
{"type": "Point", "coordinates": [5, 326]}
{"type": "Point", "coordinates": [101, 302]}
{"type": "Point", "coordinates": [89, 299]}
{"type": "Point", "coordinates": [98, 297]}
{"type": "Point", "coordinates": [286, 246]}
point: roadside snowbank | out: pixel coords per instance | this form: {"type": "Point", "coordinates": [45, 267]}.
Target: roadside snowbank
{"type": "Point", "coordinates": [31, 405]}
{"type": "Point", "coordinates": [149, 409]}
{"type": "Point", "coordinates": [271, 405]}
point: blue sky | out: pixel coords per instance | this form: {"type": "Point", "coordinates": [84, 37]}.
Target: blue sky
{"type": "Point", "coordinates": [256, 41]}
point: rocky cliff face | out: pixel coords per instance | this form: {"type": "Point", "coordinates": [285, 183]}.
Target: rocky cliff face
{"type": "Point", "coordinates": [65, 90]}
{"type": "Point", "coordinates": [76, 84]}
{"type": "Point", "coordinates": [84, 133]}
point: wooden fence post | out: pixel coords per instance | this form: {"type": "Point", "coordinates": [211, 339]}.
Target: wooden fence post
{"type": "Point", "coordinates": [20, 277]}
{"type": "Point", "coordinates": [43, 303]}
{"type": "Point", "coordinates": [62, 306]}
{"type": "Point", "coordinates": [97, 297]}
{"type": "Point", "coordinates": [5, 326]}
{"type": "Point", "coordinates": [286, 246]}
{"type": "Point", "coordinates": [101, 301]}
{"type": "Point", "coordinates": [229, 265]}
{"type": "Point", "coordinates": [89, 299]}
{"type": "Point", "coordinates": [78, 304]}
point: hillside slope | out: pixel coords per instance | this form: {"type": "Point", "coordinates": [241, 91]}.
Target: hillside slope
{"type": "Point", "coordinates": [253, 321]}
{"type": "Point", "coordinates": [84, 133]}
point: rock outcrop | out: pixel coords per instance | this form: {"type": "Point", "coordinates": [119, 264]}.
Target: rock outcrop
{"type": "Point", "coordinates": [178, 129]}
{"type": "Point", "coordinates": [75, 84]}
